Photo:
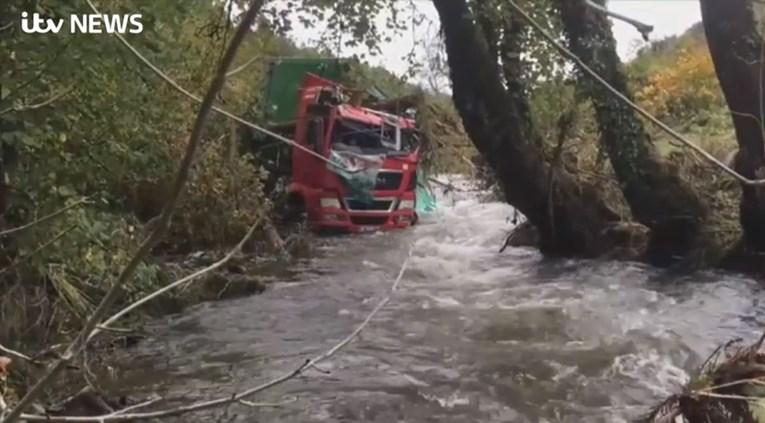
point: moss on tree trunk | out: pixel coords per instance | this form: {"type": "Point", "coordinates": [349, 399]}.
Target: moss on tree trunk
{"type": "Point", "coordinates": [734, 34]}
{"type": "Point", "coordinates": [656, 195]}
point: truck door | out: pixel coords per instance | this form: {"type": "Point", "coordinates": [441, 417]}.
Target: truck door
{"type": "Point", "coordinates": [306, 167]}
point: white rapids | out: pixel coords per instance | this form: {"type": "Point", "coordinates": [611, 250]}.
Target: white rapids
{"type": "Point", "coordinates": [471, 336]}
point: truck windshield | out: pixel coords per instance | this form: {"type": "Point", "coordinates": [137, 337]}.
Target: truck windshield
{"type": "Point", "coordinates": [364, 138]}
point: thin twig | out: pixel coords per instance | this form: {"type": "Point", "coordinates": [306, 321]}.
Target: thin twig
{"type": "Point", "coordinates": [137, 406]}
{"type": "Point", "coordinates": [16, 354]}
{"type": "Point", "coordinates": [115, 330]}
{"type": "Point", "coordinates": [44, 218]}
{"type": "Point", "coordinates": [156, 235]}
{"type": "Point", "coordinates": [756, 348]}
{"type": "Point", "coordinates": [643, 28]}
{"type": "Point", "coordinates": [725, 396]}
{"type": "Point", "coordinates": [108, 322]}
{"type": "Point", "coordinates": [756, 381]}
{"type": "Point", "coordinates": [27, 107]}
{"type": "Point", "coordinates": [567, 53]}
{"type": "Point", "coordinates": [237, 397]}
{"type": "Point", "coordinates": [282, 403]}
{"type": "Point", "coordinates": [242, 67]}
{"type": "Point", "coordinates": [45, 245]}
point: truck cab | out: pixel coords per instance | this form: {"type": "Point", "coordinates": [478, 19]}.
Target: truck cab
{"type": "Point", "coordinates": [362, 176]}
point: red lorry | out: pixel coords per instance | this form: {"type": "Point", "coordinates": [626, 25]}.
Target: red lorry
{"type": "Point", "coordinates": [353, 168]}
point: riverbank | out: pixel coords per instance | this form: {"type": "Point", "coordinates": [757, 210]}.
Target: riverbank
{"type": "Point", "coordinates": [246, 273]}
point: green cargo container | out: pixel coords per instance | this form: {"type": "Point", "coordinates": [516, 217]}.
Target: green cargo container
{"type": "Point", "coordinates": [286, 76]}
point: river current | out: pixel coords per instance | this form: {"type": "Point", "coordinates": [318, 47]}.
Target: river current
{"type": "Point", "coordinates": [472, 335]}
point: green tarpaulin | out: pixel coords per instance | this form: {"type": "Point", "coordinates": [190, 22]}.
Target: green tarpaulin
{"type": "Point", "coordinates": [425, 198]}
{"type": "Point", "coordinates": [359, 173]}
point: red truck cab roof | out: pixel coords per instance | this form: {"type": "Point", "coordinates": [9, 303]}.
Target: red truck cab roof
{"type": "Point", "coordinates": [373, 117]}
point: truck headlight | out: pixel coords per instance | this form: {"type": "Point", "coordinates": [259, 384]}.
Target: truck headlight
{"type": "Point", "coordinates": [330, 203]}
{"type": "Point", "coordinates": [406, 205]}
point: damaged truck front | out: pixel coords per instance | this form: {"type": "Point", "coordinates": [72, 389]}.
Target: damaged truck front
{"type": "Point", "coordinates": [353, 168]}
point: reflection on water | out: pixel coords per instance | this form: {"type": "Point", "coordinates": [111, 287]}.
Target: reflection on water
{"type": "Point", "coordinates": [472, 335]}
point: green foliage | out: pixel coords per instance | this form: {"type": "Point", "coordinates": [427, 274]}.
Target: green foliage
{"type": "Point", "coordinates": [447, 148]}
{"type": "Point", "coordinates": [116, 136]}
{"type": "Point", "coordinates": [675, 80]}
{"type": "Point", "coordinates": [349, 23]}
{"type": "Point", "coordinates": [80, 116]}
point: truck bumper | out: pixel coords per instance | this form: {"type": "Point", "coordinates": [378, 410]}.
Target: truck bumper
{"type": "Point", "coordinates": [354, 222]}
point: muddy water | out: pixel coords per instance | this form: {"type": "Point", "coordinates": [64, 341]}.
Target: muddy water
{"type": "Point", "coordinates": [472, 335]}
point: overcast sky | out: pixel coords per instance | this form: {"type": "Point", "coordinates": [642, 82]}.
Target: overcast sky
{"type": "Point", "coordinates": [668, 17]}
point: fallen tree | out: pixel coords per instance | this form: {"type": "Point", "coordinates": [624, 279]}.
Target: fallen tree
{"type": "Point", "coordinates": [728, 388]}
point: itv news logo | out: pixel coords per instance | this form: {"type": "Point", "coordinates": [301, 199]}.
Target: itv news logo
{"type": "Point", "coordinates": [82, 24]}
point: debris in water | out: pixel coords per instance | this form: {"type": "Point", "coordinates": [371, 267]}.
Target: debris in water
{"type": "Point", "coordinates": [729, 388]}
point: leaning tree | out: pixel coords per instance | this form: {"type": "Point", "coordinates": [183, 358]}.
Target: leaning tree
{"type": "Point", "coordinates": [484, 56]}
{"type": "Point", "coordinates": [657, 196]}
{"type": "Point", "coordinates": [734, 32]}
{"type": "Point", "coordinates": [571, 217]}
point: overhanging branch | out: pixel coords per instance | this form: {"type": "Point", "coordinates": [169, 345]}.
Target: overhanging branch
{"type": "Point", "coordinates": [643, 28]}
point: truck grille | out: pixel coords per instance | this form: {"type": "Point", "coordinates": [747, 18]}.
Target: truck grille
{"type": "Point", "coordinates": [376, 205]}
{"type": "Point", "coordinates": [388, 180]}
{"type": "Point", "coordinates": [368, 220]}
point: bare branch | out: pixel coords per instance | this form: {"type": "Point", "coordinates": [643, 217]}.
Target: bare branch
{"type": "Point", "coordinates": [6, 26]}
{"type": "Point", "coordinates": [27, 107]}
{"type": "Point", "coordinates": [44, 218]}
{"type": "Point", "coordinates": [137, 406]}
{"type": "Point", "coordinates": [243, 66]}
{"type": "Point", "coordinates": [282, 403]}
{"type": "Point", "coordinates": [16, 354]}
{"type": "Point", "coordinates": [106, 325]}
{"type": "Point", "coordinates": [240, 396]}
{"type": "Point", "coordinates": [643, 28]}
{"type": "Point", "coordinates": [156, 235]}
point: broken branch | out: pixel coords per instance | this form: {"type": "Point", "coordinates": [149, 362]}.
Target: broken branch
{"type": "Point", "coordinates": [643, 28]}
{"type": "Point", "coordinates": [242, 67]}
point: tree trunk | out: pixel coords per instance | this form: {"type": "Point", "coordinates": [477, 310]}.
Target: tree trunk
{"type": "Point", "coordinates": [571, 219]}
{"type": "Point", "coordinates": [734, 34]}
{"type": "Point", "coordinates": [656, 195]}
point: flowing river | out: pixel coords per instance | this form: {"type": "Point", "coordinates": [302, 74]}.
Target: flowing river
{"type": "Point", "coordinates": [471, 335]}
